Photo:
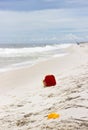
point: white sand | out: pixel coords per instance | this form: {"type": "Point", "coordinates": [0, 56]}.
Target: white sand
{"type": "Point", "coordinates": [25, 104]}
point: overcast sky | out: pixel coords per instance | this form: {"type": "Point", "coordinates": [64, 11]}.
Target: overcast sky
{"type": "Point", "coordinates": [26, 21]}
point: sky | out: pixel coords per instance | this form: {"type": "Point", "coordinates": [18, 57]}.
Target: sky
{"type": "Point", "coordinates": [43, 21]}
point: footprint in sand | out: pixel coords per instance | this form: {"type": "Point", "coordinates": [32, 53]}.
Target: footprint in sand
{"type": "Point", "coordinates": [28, 115]}
{"type": "Point", "coordinates": [22, 122]}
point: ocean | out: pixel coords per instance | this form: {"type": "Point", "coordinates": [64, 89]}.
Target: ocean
{"type": "Point", "coordinates": [18, 55]}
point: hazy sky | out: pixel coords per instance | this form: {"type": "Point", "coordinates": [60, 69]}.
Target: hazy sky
{"type": "Point", "coordinates": [26, 21]}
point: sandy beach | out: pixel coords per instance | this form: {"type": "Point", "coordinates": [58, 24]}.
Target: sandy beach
{"type": "Point", "coordinates": [25, 103]}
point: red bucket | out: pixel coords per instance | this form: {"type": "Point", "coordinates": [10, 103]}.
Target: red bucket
{"type": "Point", "coordinates": [49, 80]}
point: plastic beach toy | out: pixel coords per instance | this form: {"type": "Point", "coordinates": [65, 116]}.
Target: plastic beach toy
{"type": "Point", "coordinates": [49, 81]}
{"type": "Point", "coordinates": [53, 116]}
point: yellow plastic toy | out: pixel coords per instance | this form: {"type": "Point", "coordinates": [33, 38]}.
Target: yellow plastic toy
{"type": "Point", "coordinates": [53, 116]}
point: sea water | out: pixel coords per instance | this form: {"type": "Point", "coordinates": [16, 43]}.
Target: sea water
{"type": "Point", "coordinates": [18, 55]}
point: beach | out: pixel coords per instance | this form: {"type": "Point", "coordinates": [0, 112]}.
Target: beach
{"type": "Point", "coordinates": [25, 103]}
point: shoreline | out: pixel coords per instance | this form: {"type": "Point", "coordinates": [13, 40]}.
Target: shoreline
{"type": "Point", "coordinates": [12, 58]}
{"type": "Point", "coordinates": [27, 64]}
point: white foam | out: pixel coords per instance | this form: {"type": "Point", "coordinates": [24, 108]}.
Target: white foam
{"type": "Point", "coordinates": [60, 55]}
{"type": "Point", "coordinates": [18, 52]}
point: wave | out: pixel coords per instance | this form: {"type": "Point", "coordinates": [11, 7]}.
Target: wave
{"type": "Point", "coordinates": [27, 51]}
